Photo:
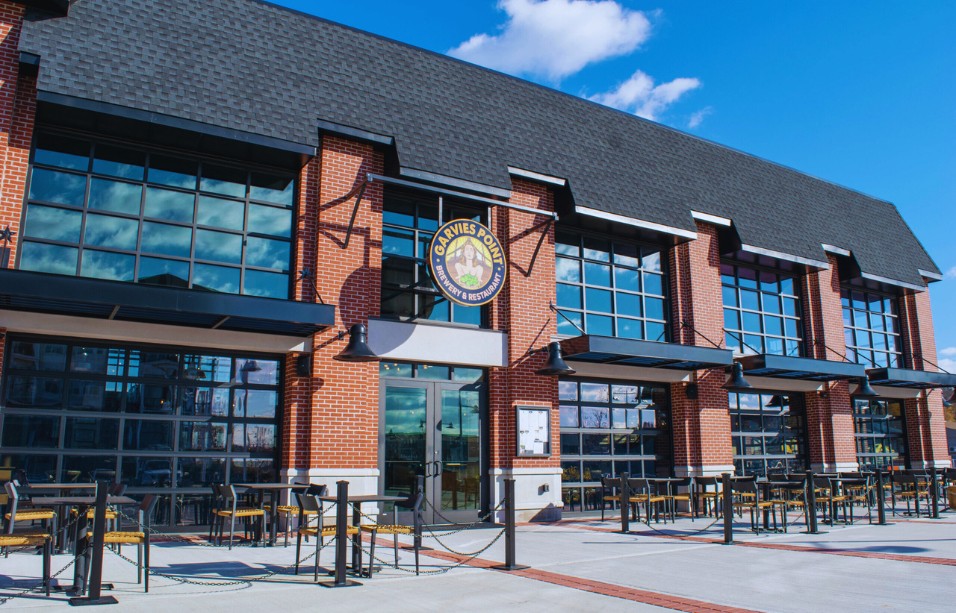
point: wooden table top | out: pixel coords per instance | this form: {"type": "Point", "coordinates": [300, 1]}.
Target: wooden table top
{"type": "Point", "coordinates": [366, 498]}
{"type": "Point", "coordinates": [41, 500]}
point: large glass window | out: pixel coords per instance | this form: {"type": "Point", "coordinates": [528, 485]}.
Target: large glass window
{"type": "Point", "coordinates": [610, 287]}
{"type": "Point", "coordinates": [126, 214]}
{"type": "Point", "coordinates": [769, 433]}
{"type": "Point", "coordinates": [609, 428]}
{"type": "Point", "coordinates": [761, 311]}
{"type": "Point", "coordinates": [880, 433]}
{"type": "Point", "coordinates": [871, 328]}
{"type": "Point", "coordinates": [409, 220]}
{"type": "Point", "coordinates": [160, 419]}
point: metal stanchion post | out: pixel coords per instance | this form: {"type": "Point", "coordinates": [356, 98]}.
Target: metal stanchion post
{"type": "Point", "coordinates": [510, 521]}
{"type": "Point", "coordinates": [341, 540]}
{"type": "Point", "coordinates": [728, 488]}
{"type": "Point", "coordinates": [934, 491]}
{"type": "Point", "coordinates": [880, 499]}
{"type": "Point", "coordinates": [811, 505]}
{"type": "Point", "coordinates": [94, 596]}
{"type": "Point", "coordinates": [625, 494]}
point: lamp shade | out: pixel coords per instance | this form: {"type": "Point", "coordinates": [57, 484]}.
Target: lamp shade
{"type": "Point", "coordinates": [555, 364]}
{"type": "Point", "coordinates": [357, 350]}
{"type": "Point", "coordinates": [864, 389]}
{"type": "Point", "coordinates": [737, 381]}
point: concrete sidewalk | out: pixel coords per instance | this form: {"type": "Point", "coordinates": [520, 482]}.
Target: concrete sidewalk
{"type": "Point", "coordinates": [576, 564]}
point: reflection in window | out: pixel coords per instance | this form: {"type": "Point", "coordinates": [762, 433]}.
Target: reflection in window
{"type": "Point", "coordinates": [138, 414]}
{"type": "Point", "coordinates": [871, 328]}
{"type": "Point", "coordinates": [609, 288]}
{"type": "Point", "coordinates": [761, 311]}
{"type": "Point", "coordinates": [880, 433]}
{"type": "Point", "coordinates": [608, 428]}
{"type": "Point", "coordinates": [148, 218]}
{"type": "Point", "coordinates": [409, 221]}
{"type": "Point", "coordinates": [768, 433]}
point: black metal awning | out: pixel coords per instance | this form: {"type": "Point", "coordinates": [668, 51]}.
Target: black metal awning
{"type": "Point", "coordinates": [117, 300]}
{"type": "Point", "coordinates": [649, 354]}
{"type": "Point", "coordinates": [914, 379]}
{"type": "Point", "coordinates": [808, 369]}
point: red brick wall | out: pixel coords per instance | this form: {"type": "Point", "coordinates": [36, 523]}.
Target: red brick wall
{"type": "Point", "coordinates": [521, 310]}
{"type": "Point", "coordinates": [926, 425]}
{"type": "Point", "coordinates": [830, 430]}
{"type": "Point", "coordinates": [701, 427]}
{"type": "Point", "coordinates": [343, 424]}
{"type": "Point", "coordinates": [17, 105]}
{"type": "Point", "coordinates": [17, 110]}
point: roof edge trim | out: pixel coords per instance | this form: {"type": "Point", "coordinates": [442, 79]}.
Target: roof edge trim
{"type": "Point", "coordinates": [770, 253]}
{"type": "Point", "coordinates": [343, 130]}
{"type": "Point", "coordinates": [537, 176]}
{"type": "Point", "coordinates": [431, 177]}
{"type": "Point", "coordinates": [717, 220]}
{"type": "Point", "coordinates": [888, 281]}
{"type": "Point", "coordinates": [929, 274]}
{"type": "Point", "coordinates": [836, 250]}
{"type": "Point", "coordinates": [169, 121]}
{"type": "Point", "coordinates": [637, 223]}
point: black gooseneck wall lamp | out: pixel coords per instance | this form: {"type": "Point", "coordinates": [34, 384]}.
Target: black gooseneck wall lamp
{"type": "Point", "coordinates": [737, 380]}
{"type": "Point", "coordinates": [864, 389]}
{"type": "Point", "coordinates": [357, 350]}
{"type": "Point", "coordinates": [555, 366]}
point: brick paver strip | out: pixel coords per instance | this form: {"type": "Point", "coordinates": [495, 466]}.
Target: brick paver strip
{"type": "Point", "coordinates": [657, 599]}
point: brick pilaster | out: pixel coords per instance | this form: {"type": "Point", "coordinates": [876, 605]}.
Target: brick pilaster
{"type": "Point", "coordinates": [701, 427]}
{"type": "Point", "coordinates": [830, 429]}
{"type": "Point", "coordinates": [17, 110]}
{"type": "Point", "coordinates": [343, 425]}
{"type": "Point", "coordinates": [521, 310]}
{"type": "Point", "coordinates": [925, 422]}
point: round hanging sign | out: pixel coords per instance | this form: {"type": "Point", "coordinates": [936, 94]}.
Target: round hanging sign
{"type": "Point", "coordinates": [467, 262]}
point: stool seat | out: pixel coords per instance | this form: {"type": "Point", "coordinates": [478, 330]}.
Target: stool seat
{"type": "Point", "coordinates": [20, 540]}
{"type": "Point", "coordinates": [33, 514]}
{"type": "Point", "coordinates": [387, 529]}
{"type": "Point", "coordinates": [241, 512]}
{"type": "Point", "coordinates": [326, 531]}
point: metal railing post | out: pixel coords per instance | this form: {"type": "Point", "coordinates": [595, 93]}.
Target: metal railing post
{"type": "Point", "coordinates": [510, 523]}
{"type": "Point", "coordinates": [811, 504]}
{"type": "Point", "coordinates": [341, 537]}
{"type": "Point", "coordinates": [625, 495]}
{"type": "Point", "coordinates": [728, 504]}
{"type": "Point", "coordinates": [95, 586]}
{"type": "Point", "coordinates": [934, 491]}
{"type": "Point", "coordinates": [880, 498]}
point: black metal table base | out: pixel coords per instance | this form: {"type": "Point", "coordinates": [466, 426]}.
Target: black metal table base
{"type": "Point", "coordinates": [86, 602]}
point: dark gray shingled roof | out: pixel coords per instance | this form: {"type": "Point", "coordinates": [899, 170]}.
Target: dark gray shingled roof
{"type": "Point", "coordinates": [251, 66]}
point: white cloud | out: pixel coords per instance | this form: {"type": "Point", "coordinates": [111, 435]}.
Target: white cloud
{"type": "Point", "coordinates": [640, 96]}
{"type": "Point", "coordinates": [948, 351]}
{"type": "Point", "coordinates": [697, 117]}
{"type": "Point", "coordinates": [556, 38]}
{"type": "Point", "coordinates": [948, 364]}
{"type": "Point", "coordinates": [951, 273]}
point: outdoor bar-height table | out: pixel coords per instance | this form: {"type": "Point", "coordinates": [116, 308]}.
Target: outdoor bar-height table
{"type": "Point", "coordinates": [58, 487]}
{"type": "Point", "coordinates": [80, 529]}
{"type": "Point", "coordinates": [275, 489]}
{"type": "Point", "coordinates": [356, 502]}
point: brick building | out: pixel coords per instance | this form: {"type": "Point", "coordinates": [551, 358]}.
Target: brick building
{"type": "Point", "coordinates": [204, 197]}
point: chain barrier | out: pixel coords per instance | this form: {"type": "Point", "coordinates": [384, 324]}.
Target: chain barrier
{"type": "Point", "coordinates": [481, 519]}
{"type": "Point", "coordinates": [406, 568]}
{"type": "Point", "coordinates": [5, 599]}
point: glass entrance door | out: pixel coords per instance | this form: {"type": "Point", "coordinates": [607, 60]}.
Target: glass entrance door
{"type": "Point", "coordinates": [434, 429]}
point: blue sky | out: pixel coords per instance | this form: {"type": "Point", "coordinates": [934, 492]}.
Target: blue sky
{"type": "Point", "coordinates": [860, 94]}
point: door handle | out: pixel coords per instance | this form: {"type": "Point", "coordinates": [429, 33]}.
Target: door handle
{"type": "Point", "coordinates": [438, 467]}
{"type": "Point", "coordinates": [427, 473]}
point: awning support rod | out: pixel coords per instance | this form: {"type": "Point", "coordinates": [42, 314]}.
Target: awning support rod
{"type": "Point", "coordinates": [544, 234]}
{"type": "Point", "coordinates": [462, 195]}
{"type": "Point", "coordinates": [570, 321]}
{"type": "Point", "coordinates": [358, 201]}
